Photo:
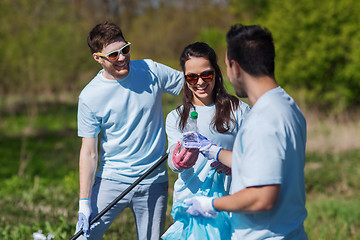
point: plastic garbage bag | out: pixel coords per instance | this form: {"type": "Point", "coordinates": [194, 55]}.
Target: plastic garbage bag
{"type": "Point", "coordinates": [189, 227]}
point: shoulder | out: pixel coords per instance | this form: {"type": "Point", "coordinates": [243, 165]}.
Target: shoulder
{"type": "Point", "coordinates": [143, 69]}
{"type": "Point", "coordinates": [144, 63]}
{"type": "Point", "coordinates": [270, 101]}
{"type": "Point", "coordinates": [278, 103]}
{"type": "Point", "coordinates": [141, 64]}
{"type": "Point", "coordinates": [91, 86]}
{"type": "Point", "coordinates": [276, 108]}
{"type": "Point", "coordinates": [244, 107]}
{"type": "Point", "coordinates": [160, 67]}
{"type": "Point", "coordinates": [241, 110]}
{"type": "Point", "coordinates": [172, 122]}
{"type": "Point", "coordinates": [151, 66]}
{"type": "Point", "coordinates": [173, 115]}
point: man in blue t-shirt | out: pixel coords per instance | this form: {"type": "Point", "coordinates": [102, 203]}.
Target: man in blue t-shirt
{"type": "Point", "coordinates": [267, 195]}
{"type": "Point", "coordinates": [122, 104]}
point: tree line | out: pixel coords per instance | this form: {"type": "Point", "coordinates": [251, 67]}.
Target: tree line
{"type": "Point", "coordinates": [43, 43]}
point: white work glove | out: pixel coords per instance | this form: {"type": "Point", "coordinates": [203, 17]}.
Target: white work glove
{"type": "Point", "coordinates": [208, 149]}
{"type": "Point", "coordinates": [201, 206]}
{"type": "Point", "coordinates": [84, 215]}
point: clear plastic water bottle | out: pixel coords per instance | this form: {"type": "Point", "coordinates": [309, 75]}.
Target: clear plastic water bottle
{"type": "Point", "coordinates": [190, 137]}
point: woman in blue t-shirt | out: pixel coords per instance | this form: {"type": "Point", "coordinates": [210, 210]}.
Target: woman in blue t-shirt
{"type": "Point", "coordinates": [220, 116]}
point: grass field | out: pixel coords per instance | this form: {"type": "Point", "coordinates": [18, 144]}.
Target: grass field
{"type": "Point", "coordinates": [39, 176]}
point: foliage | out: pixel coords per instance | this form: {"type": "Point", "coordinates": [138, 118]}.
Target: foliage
{"type": "Point", "coordinates": [249, 9]}
{"type": "Point", "coordinates": [42, 47]}
{"type": "Point", "coordinates": [172, 27]}
{"type": "Point", "coordinates": [318, 50]}
{"type": "Point", "coordinates": [214, 37]}
{"type": "Point", "coordinates": [43, 43]}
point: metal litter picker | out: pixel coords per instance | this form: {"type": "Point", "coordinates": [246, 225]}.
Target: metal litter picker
{"type": "Point", "coordinates": [126, 191]}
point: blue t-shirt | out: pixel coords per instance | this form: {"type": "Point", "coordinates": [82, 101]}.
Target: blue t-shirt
{"type": "Point", "coordinates": [128, 115]}
{"type": "Point", "coordinates": [190, 181]}
{"type": "Point", "coordinates": [270, 149]}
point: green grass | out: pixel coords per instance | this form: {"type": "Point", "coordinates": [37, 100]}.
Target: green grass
{"type": "Point", "coordinates": [332, 217]}
{"type": "Point", "coordinates": [334, 174]}
{"type": "Point", "coordinates": [39, 181]}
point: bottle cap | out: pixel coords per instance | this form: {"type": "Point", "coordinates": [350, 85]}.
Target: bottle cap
{"type": "Point", "coordinates": [194, 115]}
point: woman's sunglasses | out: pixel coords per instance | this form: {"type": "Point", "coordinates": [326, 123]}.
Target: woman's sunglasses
{"type": "Point", "coordinates": [193, 78]}
{"type": "Point", "coordinates": [113, 56]}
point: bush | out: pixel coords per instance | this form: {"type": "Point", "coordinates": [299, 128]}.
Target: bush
{"type": "Point", "coordinates": [317, 45]}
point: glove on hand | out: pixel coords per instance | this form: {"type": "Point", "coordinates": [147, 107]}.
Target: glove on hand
{"type": "Point", "coordinates": [201, 206]}
{"type": "Point", "coordinates": [184, 158]}
{"type": "Point", "coordinates": [221, 168]}
{"type": "Point", "coordinates": [84, 214]}
{"type": "Point", "coordinates": [208, 149]}
{"type": "Point", "coordinates": [191, 139]}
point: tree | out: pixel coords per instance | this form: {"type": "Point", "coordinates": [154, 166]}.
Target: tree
{"type": "Point", "coordinates": [163, 31]}
{"type": "Point", "coordinates": [317, 45]}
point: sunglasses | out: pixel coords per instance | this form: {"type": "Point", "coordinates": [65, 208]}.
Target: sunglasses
{"type": "Point", "coordinates": [113, 56]}
{"type": "Point", "coordinates": [193, 78]}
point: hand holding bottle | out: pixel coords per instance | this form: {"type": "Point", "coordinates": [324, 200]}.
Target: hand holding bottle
{"type": "Point", "coordinates": [184, 158]}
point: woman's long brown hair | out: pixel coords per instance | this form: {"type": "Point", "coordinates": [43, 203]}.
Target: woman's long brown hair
{"type": "Point", "coordinates": [225, 103]}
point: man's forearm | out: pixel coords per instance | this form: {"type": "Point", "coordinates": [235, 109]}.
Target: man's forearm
{"type": "Point", "coordinates": [87, 166]}
{"type": "Point", "coordinates": [252, 199]}
{"type": "Point", "coordinates": [86, 174]}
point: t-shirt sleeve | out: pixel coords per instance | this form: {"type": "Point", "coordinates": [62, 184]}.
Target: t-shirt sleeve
{"type": "Point", "coordinates": [171, 80]}
{"type": "Point", "coordinates": [263, 155]}
{"type": "Point", "coordinates": [245, 108]}
{"type": "Point", "coordinates": [88, 125]}
{"type": "Point", "coordinates": [172, 130]}
{"type": "Point", "coordinates": [241, 113]}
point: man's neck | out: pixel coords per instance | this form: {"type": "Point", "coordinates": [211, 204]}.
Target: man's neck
{"type": "Point", "coordinates": [256, 87]}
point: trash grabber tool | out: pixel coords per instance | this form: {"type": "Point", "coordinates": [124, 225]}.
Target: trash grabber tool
{"type": "Point", "coordinates": [126, 191]}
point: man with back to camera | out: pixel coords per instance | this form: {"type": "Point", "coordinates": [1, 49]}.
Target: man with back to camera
{"type": "Point", "coordinates": [122, 103]}
{"type": "Point", "coordinates": [267, 195]}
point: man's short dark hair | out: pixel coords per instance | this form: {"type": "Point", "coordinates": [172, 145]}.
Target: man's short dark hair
{"type": "Point", "coordinates": [253, 48]}
{"type": "Point", "coordinates": [102, 35]}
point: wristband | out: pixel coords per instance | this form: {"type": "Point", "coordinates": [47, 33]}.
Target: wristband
{"type": "Point", "coordinates": [214, 152]}
{"type": "Point", "coordinates": [212, 204]}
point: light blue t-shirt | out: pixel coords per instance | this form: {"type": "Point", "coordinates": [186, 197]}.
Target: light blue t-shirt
{"type": "Point", "coordinates": [128, 115]}
{"type": "Point", "coordinates": [190, 180]}
{"type": "Point", "coordinates": [270, 149]}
